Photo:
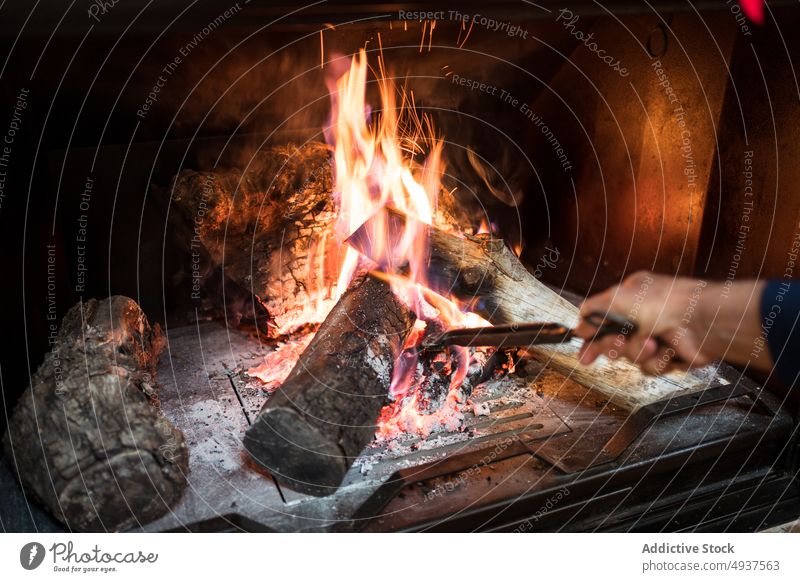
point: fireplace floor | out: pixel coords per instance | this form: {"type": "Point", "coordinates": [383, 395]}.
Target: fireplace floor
{"type": "Point", "coordinates": [719, 465]}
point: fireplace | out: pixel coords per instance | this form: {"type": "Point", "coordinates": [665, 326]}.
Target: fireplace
{"type": "Point", "coordinates": [301, 197]}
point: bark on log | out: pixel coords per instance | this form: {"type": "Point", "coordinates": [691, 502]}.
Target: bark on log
{"type": "Point", "coordinates": [87, 438]}
{"type": "Point", "coordinates": [311, 430]}
{"type": "Point", "coordinates": [483, 272]}
{"type": "Point", "coordinates": [264, 225]}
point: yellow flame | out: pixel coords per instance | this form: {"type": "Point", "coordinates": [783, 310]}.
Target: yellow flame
{"type": "Point", "coordinates": [372, 170]}
{"type": "Point", "coordinates": [375, 167]}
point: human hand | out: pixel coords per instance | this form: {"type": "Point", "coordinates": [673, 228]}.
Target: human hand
{"type": "Point", "coordinates": [663, 307]}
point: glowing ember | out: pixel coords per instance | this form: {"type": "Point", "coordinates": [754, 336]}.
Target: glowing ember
{"type": "Point", "coordinates": [279, 363]}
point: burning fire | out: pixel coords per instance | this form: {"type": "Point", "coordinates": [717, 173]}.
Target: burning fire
{"type": "Point", "coordinates": [373, 171]}
{"type": "Point", "coordinates": [376, 166]}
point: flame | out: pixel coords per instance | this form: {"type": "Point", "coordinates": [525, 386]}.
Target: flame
{"type": "Point", "coordinates": [372, 171]}
{"type": "Point", "coordinates": [375, 162]}
{"type": "Point", "coordinates": [374, 168]}
{"type": "Point", "coordinates": [430, 306]}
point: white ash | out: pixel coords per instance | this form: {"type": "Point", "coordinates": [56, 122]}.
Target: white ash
{"type": "Point", "coordinates": [365, 464]}
{"type": "Point", "coordinates": [449, 428]}
{"type": "Point", "coordinates": [216, 454]}
{"type": "Point", "coordinates": [381, 366]}
{"type": "Point", "coordinates": [480, 408]}
{"type": "Point", "coordinates": [220, 450]}
{"type": "Point", "coordinates": [399, 450]}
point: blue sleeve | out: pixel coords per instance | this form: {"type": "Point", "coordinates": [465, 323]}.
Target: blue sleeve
{"type": "Point", "coordinates": [780, 316]}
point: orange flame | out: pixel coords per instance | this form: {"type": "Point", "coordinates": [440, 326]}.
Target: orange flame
{"type": "Point", "coordinates": [372, 171]}
{"type": "Point", "coordinates": [374, 168]}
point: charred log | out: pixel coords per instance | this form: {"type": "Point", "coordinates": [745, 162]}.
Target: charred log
{"type": "Point", "coordinates": [87, 438]}
{"type": "Point", "coordinates": [270, 227]}
{"type": "Point", "coordinates": [312, 429]}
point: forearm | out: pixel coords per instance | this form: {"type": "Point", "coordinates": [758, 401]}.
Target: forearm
{"type": "Point", "coordinates": [729, 323]}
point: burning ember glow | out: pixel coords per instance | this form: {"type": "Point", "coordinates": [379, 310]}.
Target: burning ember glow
{"type": "Point", "coordinates": [279, 363]}
{"type": "Point", "coordinates": [377, 165]}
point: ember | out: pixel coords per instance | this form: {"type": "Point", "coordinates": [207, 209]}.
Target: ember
{"type": "Point", "coordinates": [278, 363]}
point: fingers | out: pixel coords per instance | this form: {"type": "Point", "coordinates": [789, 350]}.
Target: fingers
{"type": "Point", "coordinates": [667, 360]}
{"type": "Point", "coordinates": [636, 348]}
{"type": "Point", "coordinates": [643, 351]}
{"type": "Point", "coordinates": [689, 350]}
{"type": "Point", "coordinates": [654, 357]}
{"type": "Point", "coordinates": [640, 348]}
{"type": "Point", "coordinates": [650, 302]}
{"type": "Point", "coordinates": [600, 302]}
{"type": "Point", "coordinates": [655, 366]}
{"type": "Point", "coordinates": [591, 350]}
{"type": "Point", "coordinates": [621, 299]}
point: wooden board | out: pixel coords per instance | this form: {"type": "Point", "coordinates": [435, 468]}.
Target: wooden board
{"type": "Point", "coordinates": [482, 271]}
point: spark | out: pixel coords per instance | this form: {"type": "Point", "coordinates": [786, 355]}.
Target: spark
{"type": "Point", "coordinates": [463, 26]}
{"type": "Point", "coordinates": [471, 24]}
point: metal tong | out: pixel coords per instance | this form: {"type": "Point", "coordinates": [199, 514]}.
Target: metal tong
{"type": "Point", "coordinates": [528, 334]}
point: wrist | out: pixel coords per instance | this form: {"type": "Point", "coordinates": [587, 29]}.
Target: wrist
{"type": "Point", "coordinates": [708, 310]}
{"type": "Point", "coordinates": [730, 319]}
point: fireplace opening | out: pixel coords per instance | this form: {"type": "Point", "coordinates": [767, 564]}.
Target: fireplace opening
{"type": "Point", "coordinates": [257, 230]}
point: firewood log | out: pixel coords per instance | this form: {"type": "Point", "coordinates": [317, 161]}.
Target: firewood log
{"type": "Point", "coordinates": [87, 438]}
{"type": "Point", "coordinates": [312, 429]}
{"type": "Point", "coordinates": [269, 226]}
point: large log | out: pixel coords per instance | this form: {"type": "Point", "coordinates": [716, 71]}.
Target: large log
{"type": "Point", "coordinates": [312, 429]}
{"type": "Point", "coordinates": [270, 227]}
{"type": "Point", "coordinates": [482, 271]}
{"type": "Point", "coordinates": [87, 438]}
